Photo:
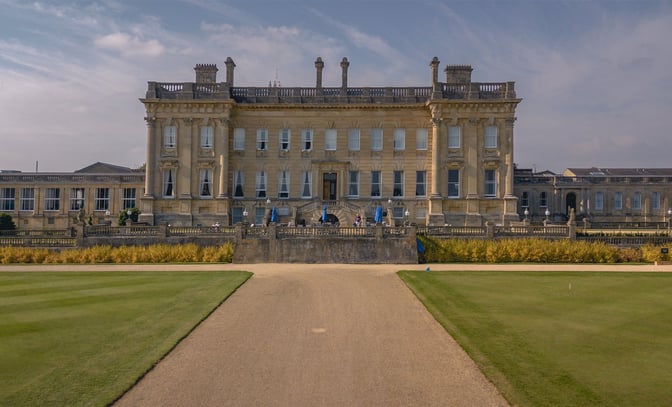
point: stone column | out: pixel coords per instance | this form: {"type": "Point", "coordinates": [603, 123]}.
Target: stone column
{"type": "Point", "coordinates": [508, 156]}
{"type": "Point", "coordinates": [184, 151]}
{"type": "Point", "coordinates": [222, 149]}
{"type": "Point", "coordinates": [150, 166]}
{"type": "Point", "coordinates": [436, 134]}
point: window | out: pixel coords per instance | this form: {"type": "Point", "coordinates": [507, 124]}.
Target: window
{"type": "Point", "coordinates": [375, 184]}
{"type": "Point", "coordinates": [283, 185]}
{"type": "Point", "coordinates": [330, 139]}
{"type": "Point", "coordinates": [491, 137]}
{"type": "Point", "coordinates": [599, 200]}
{"type": "Point", "coordinates": [543, 200]}
{"type": "Point", "coordinates": [76, 199]}
{"type": "Point", "coordinates": [398, 212]}
{"type": "Point", "coordinates": [206, 136]}
{"type": "Point", "coordinates": [398, 183]}
{"type": "Point", "coordinates": [102, 199]}
{"type": "Point", "coordinates": [169, 182]}
{"type": "Point", "coordinates": [421, 183]}
{"type": "Point", "coordinates": [637, 200]}
{"type": "Point", "coordinates": [27, 199]}
{"type": "Point", "coordinates": [399, 136]}
{"type": "Point", "coordinates": [655, 200]}
{"type": "Point", "coordinates": [205, 183]}
{"type": "Point", "coordinates": [306, 184]}
{"type": "Point", "coordinates": [128, 200]}
{"type": "Point", "coordinates": [237, 215]}
{"type": "Point", "coordinates": [239, 139]}
{"type": "Point", "coordinates": [170, 136]}
{"type": "Point", "coordinates": [307, 139]}
{"type": "Point", "coordinates": [454, 137]}
{"type": "Point", "coordinates": [421, 139]}
{"type": "Point", "coordinates": [353, 184]}
{"type": "Point", "coordinates": [7, 196]}
{"type": "Point", "coordinates": [262, 139]}
{"type": "Point", "coordinates": [52, 199]}
{"type": "Point", "coordinates": [490, 183]}
{"type": "Point", "coordinates": [260, 185]}
{"type": "Point", "coordinates": [525, 200]}
{"type": "Point", "coordinates": [376, 139]}
{"type": "Point", "coordinates": [259, 214]}
{"type": "Point", "coordinates": [238, 184]}
{"type": "Point", "coordinates": [353, 139]}
{"type": "Point", "coordinates": [618, 200]}
{"type": "Point", "coordinates": [284, 139]}
{"type": "Point", "coordinates": [453, 183]}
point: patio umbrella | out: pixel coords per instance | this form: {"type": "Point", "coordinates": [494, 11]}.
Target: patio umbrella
{"type": "Point", "coordinates": [324, 213]}
{"type": "Point", "coordinates": [378, 217]}
{"type": "Point", "coordinates": [274, 215]}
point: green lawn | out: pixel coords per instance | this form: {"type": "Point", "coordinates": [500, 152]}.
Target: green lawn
{"type": "Point", "coordinates": [560, 339]}
{"type": "Point", "coordinates": [82, 339]}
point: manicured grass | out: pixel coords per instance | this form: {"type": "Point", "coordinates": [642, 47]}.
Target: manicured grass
{"type": "Point", "coordinates": [560, 339]}
{"type": "Point", "coordinates": [83, 338]}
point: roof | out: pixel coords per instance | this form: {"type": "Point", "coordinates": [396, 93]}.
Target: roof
{"type": "Point", "coordinates": [618, 172]}
{"type": "Point", "coordinates": [104, 168]}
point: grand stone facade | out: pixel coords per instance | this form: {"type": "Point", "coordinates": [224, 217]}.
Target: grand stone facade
{"type": "Point", "coordinates": [429, 155]}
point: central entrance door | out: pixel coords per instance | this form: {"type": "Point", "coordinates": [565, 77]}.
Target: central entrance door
{"type": "Point", "coordinates": [329, 186]}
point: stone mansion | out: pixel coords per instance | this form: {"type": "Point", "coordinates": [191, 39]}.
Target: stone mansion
{"type": "Point", "coordinates": [429, 155]}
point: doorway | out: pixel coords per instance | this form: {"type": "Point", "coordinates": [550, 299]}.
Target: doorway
{"type": "Point", "coordinates": [329, 180]}
{"type": "Point", "coordinates": [570, 201]}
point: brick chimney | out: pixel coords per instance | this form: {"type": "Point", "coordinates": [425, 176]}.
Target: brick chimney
{"type": "Point", "coordinates": [344, 66]}
{"type": "Point", "coordinates": [229, 70]}
{"type": "Point", "coordinates": [319, 65]}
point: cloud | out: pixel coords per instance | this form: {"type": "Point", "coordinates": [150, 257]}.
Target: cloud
{"type": "Point", "coordinates": [129, 45]}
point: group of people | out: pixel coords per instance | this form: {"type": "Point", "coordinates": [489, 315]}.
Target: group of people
{"type": "Point", "coordinates": [358, 221]}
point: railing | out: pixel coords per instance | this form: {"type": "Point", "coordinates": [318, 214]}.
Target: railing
{"type": "Point", "coordinates": [201, 231]}
{"type": "Point", "coordinates": [29, 241]}
{"type": "Point", "coordinates": [438, 231]}
{"type": "Point", "coordinates": [324, 231]}
{"type": "Point", "coordinates": [36, 233]}
{"type": "Point", "coordinates": [104, 230]}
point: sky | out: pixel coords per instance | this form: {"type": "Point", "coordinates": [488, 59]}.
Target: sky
{"type": "Point", "coordinates": [595, 76]}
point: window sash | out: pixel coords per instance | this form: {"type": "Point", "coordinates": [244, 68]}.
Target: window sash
{"type": "Point", "coordinates": [491, 137]}
{"type": "Point", "coordinates": [128, 201]}
{"type": "Point", "coordinates": [618, 200]}
{"type": "Point", "coordinates": [169, 183]}
{"type": "Point", "coordinates": [599, 201]}
{"type": "Point", "coordinates": [421, 139]}
{"type": "Point", "coordinates": [27, 199]}
{"type": "Point", "coordinates": [637, 200]}
{"type": "Point", "coordinates": [399, 136]}
{"type": "Point", "coordinates": [76, 199]}
{"type": "Point", "coordinates": [353, 184]}
{"type": "Point", "coordinates": [207, 136]}
{"type": "Point", "coordinates": [543, 200]}
{"type": "Point", "coordinates": [453, 183]}
{"type": "Point", "coordinates": [525, 199]}
{"type": "Point", "coordinates": [285, 135]}
{"type": "Point", "coordinates": [260, 185]}
{"type": "Point", "coordinates": [353, 139]}
{"type": "Point", "coordinates": [454, 137]}
{"type": "Point", "coordinates": [375, 184]}
{"type": "Point", "coordinates": [239, 139]}
{"type": "Point", "coordinates": [102, 199]}
{"type": "Point", "coordinates": [421, 183]}
{"type": "Point", "coordinates": [206, 183]}
{"type": "Point", "coordinates": [262, 139]}
{"type": "Point", "coordinates": [306, 188]}
{"type": "Point", "coordinates": [330, 139]}
{"type": "Point", "coordinates": [376, 139]}
{"type": "Point", "coordinates": [307, 139]}
{"type": "Point", "coordinates": [52, 199]}
{"type": "Point", "coordinates": [238, 191]}
{"type": "Point", "coordinates": [170, 136]}
{"type": "Point", "coordinates": [655, 200]}
{"type": "Point", "coordinates": [398, 187]}
{"type": "Point", "coordinates": [7, 196]}
{"type": "Point", "coordinates": [490, 183]}
{"type": "Point", "coordinates": [283, 185]}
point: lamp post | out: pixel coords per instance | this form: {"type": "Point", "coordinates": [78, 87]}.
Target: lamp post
{"type": "Point", "coordinates": [526, 213]}
{"type": "Point", "coordinates": [245, 213]}
{"type": "Point", "coordinates": [547, 213]}
{"type": "Point", "coordinates": [406, 215]}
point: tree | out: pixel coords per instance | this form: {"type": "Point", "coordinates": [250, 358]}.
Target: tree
{"type": "Point", "coordinates": [124, 216]}
{"type": "Point", "coordinates": [6, 222]}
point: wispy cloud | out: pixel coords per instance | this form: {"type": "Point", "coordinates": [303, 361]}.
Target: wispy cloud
{"type": "Point", "coordinates": [130, 45]}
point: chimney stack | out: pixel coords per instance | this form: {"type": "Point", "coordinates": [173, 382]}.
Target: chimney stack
{"type": "Point", "coordinates": [344, 66]}
{"type": "Point", "coordinates": [206, 73]}
{"type": "Point", "coordinates": [229, 70]}
{"type": "Point", "coordinates": [459, 74]}
{"type": "Point", "coordinates": [319, 65]}
{"type": "Point", "coordinates": [435, 70]}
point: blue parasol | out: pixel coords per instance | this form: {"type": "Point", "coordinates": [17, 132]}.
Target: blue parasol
{"type": "Point", "coordinates": [324, 213]}
{"type": "Point", "coordinates": [274, 215]}
{"type": "Point", "coordinates": [378, 217]}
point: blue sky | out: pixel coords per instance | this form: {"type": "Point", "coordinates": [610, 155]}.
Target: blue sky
{"type": "Point", "coordinates": [595, 76]}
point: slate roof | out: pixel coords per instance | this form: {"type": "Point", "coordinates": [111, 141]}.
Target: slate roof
{"type": "Point", "coordinates": [105, 168]}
